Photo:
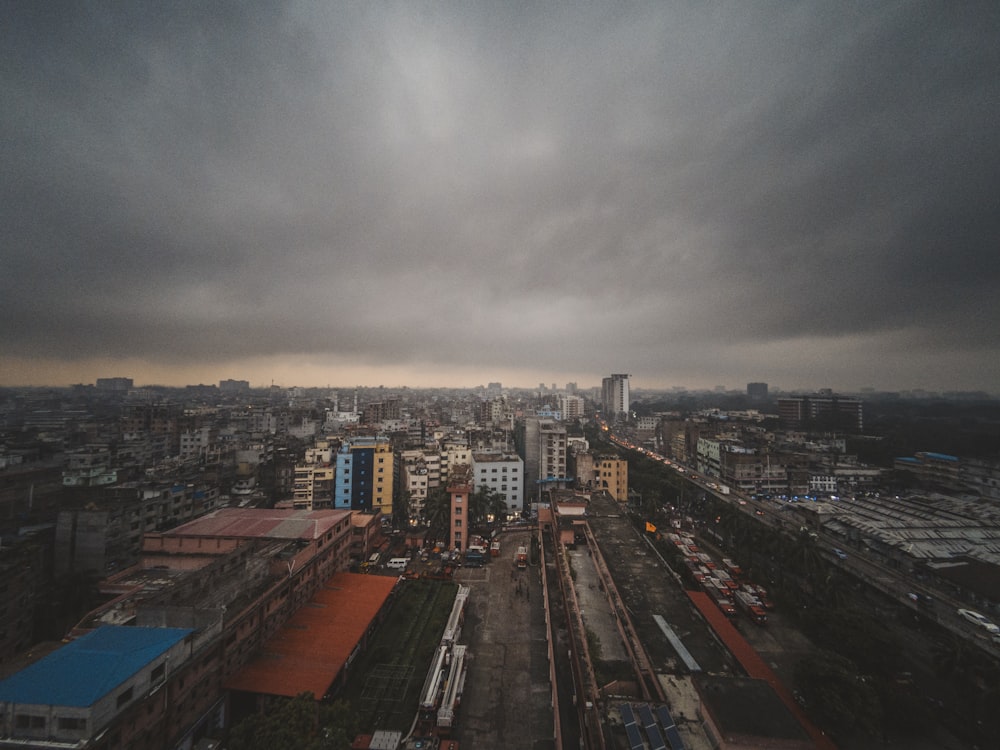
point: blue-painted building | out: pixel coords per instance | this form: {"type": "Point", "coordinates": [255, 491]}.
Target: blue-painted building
{"type": "Point", "coordinates": [76, 692]}
{"type": "Point", "coordinates": [364, 477]}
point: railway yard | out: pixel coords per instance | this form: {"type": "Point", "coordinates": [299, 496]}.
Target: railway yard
{"type": "Point", "coordinates": [598, 644]}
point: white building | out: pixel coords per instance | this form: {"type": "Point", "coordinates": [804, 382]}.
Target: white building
{"type": "Point", "coordinates": [502, 473]}
{"type": "Point", "coordinates": [615, 396]}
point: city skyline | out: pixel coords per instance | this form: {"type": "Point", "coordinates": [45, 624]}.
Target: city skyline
{"type": "Point", "coordinates": [448, 195]}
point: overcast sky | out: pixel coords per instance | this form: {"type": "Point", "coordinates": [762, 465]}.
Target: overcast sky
{"type": "Point", "coordinates": [454, 193]}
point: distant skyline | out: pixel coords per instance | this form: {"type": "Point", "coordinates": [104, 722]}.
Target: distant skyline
{"type": "Point", "coordinates": [449, 194]}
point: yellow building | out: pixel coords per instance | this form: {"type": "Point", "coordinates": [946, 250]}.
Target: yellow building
{"type": "Point", "coordinates": [612, 475]}
{"type": "Point", "coordinates": [365, 475]}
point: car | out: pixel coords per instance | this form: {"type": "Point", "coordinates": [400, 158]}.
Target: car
{"type": "Point", "coordinates": [840, 553]}
{"type": "Point", "coordinates": [979, 619]}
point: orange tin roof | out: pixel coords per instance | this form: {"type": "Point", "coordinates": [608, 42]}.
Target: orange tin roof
{"type": "Point", "coordinates": [311, 649]}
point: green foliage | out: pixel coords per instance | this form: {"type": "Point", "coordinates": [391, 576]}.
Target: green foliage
{"type": "Point", "coordinates": [437, 509]}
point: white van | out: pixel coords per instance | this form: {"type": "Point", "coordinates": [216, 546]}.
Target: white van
{"type": "Point", "coordinates": [398, 563]}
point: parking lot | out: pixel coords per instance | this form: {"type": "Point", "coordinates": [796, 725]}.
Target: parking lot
{"type": "Point", "coordinates": [507, 702]}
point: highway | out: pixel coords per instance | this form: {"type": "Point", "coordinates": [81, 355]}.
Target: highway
{"type": "Point", "coordinates": [934, 604]}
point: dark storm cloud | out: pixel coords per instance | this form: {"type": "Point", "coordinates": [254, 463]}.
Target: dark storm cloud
{"type": "Point", "coordinates": [681, 190]}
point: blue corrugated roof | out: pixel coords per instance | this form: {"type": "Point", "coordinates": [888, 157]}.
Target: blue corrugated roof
{"type": "Point", "coordinates": [941, 456]}
{"type": "Point", "coordinates": [87, 669]}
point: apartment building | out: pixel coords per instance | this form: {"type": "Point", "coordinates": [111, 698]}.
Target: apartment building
{"type": "Point", "coordinates": [612, 476]}
{"type": "Point", "coordinates": [571, 406]}
{"type": "Point", "coordinates": [501, 473]}
{"type": "Point", "coordinates": [459, 489]}
{"type": "Point", "coordinates": [103, 533]}
{"type": "Point", "coordinates": [313, 486]}
{"type": "Point", "coordinates": [364, 475]}
{"type": "Point", "coordinates": [822, 411]}
{"type": "Point", "coordinates": [615, 397]}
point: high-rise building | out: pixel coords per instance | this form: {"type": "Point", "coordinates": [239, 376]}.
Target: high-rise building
{"type": "Point", "coordinates": [571, 407]}
{"type": "Point", "coordinates": [118, 385]}
{"type": "Point", "coordinates": [544, 446]}
{"type": "Point", "coordinates": [823, 411]}
{"type": "Point", "coordinates": [234, 386]}
{"type": "Point", "coordinates": [757, 391]}
{"type": "Point", "coordinates": [615, 396]}
{"type": "Point", "coordinates": [364, 476]}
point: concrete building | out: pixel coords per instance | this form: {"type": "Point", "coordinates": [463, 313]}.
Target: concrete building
{"type": "Point", "coordinates": [615, 398]}
{"type": "Point", "coordinates": [313, 486]}
{"type": "Point", "coordinates": [230, 581]}
{"type": "Point", "coordinates": [364, 477]}
{"type": "Point", "coordinates": [571, 406]}
{"type": "Point", "coordinates": [933, 469]}
{"type": "Point", "coordinates": [823, 411]}
{"type": "Point", "coordinates": [90, 467]}
{"type": "Point", "coordinates": [23, 571]}
{"type": "Point", "coordinates": [81, 690]}
{"type": "Point", "coordinates": [115, 385]}
{"type": "Point", "coordinates": [545, 457]}
{"type": "Point", "coordinates": [103, 534]}
{"type": "Point", "coordinates": [502, 473]}
{"type": "Point", "coordinates": [197, 442]}
{"type": "Point", "coordinates": [418, 471]}
{"type": "Point", "coordinates": [459, 489]}
{"type": "Point", "coordinates": [612, 476]}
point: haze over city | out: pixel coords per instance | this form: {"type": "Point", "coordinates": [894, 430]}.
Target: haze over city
{"type": "Point", "coordinates": [453, 194]}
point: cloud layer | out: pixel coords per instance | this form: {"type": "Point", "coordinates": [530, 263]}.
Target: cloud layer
{"type": "Point", "coordinates": [692, 193]}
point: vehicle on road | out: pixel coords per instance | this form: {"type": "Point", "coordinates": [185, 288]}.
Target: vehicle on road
{"type": "Point", "coordinates": [979, 619]}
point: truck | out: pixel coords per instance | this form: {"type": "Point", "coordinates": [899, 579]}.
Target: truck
{"type": "Point", "coordinates": [722, 603]}
{"type": "Point", "coordinates": [474, 558]}
{"type": "Point", "coordinates": [521, 558]}
{"type": "Point", "coordinates": [752, 606]}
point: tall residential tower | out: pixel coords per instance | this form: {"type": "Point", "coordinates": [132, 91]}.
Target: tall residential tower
{"type": "Point", "coordinates": [615, 396]}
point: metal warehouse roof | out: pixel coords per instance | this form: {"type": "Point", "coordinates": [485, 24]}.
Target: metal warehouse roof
{"type": "Point", "coordinates": [85, 670]}
{"type": "Point", "coordinates": [262, 523]}
{"type": "Point", "coordinates": [308, 653]}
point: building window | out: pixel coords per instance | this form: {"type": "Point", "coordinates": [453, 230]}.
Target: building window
{"type": "Point", "coordinates": [158, 673]}
{"type": "Point", "coordinates": [72, 722]}
{"type": "Point", "coordinates": [458, 523]}
{"type": "Point", "coordinates": [124, 697]}
{"type": "Point", "coordinates": [22, 721]}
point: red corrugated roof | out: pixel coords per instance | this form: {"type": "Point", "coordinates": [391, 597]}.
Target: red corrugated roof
{"type": "Point", "coordinates": [308, 653]}
{"type": "Point", "coordinates": [753, 664]}
{"type": "Point", "coordinates": [262, 523]}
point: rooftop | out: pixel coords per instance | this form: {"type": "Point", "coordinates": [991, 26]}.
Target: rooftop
{"type": "Point", "coordinates": [85, 670]}
{"type": "Point", "coordinates": [262, 523]}
{"type": "Point", "coordinates": [308, 653]}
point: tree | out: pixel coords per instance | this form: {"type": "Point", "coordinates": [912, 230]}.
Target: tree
{"type": "Point", "coordinates": [496, 506]}
{"type": "Point", "coordinates": [401, 509]}
{"type": "Point", "coordinates": [437, 511]}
